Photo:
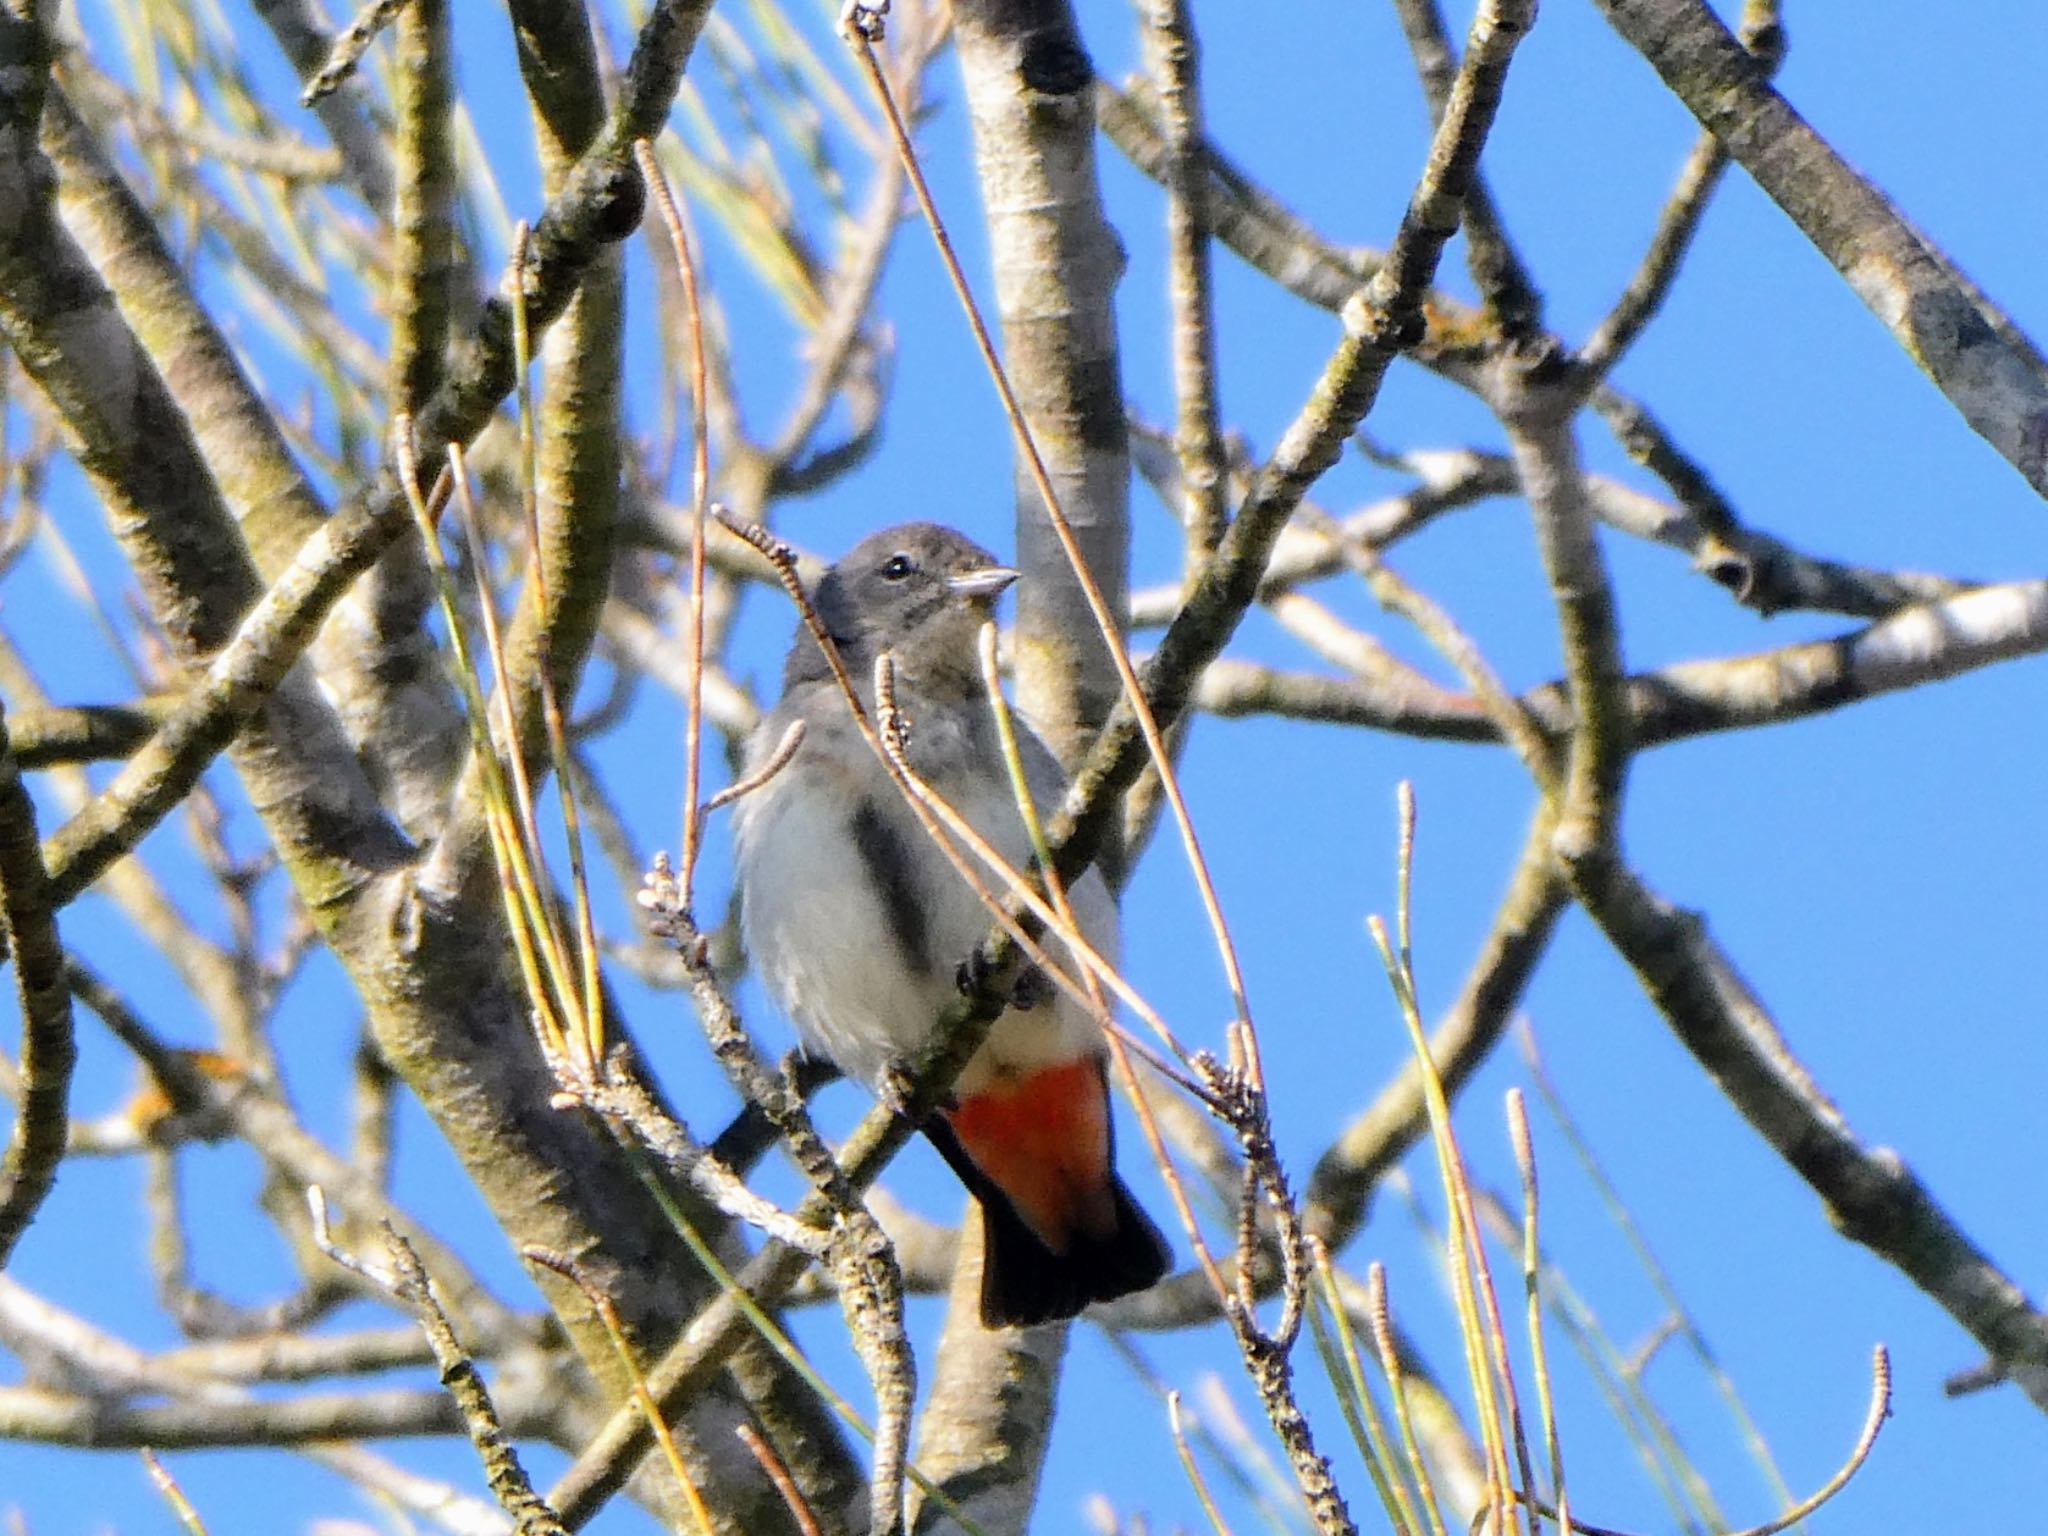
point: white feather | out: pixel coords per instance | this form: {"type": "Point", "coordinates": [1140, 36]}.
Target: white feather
{"type": "Point", "coordinates": [822, 937]}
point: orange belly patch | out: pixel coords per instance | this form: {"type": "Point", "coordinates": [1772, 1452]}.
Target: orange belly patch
{"type": "Point", "coordinates": [1043, 1140]}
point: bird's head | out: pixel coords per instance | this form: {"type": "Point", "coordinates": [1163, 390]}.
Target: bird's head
{"type": "Point", "coordinates": [919, 591]}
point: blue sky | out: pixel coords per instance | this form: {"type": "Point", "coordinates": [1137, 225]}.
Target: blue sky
{"type": "Point", "coordinates": [1874, 873]}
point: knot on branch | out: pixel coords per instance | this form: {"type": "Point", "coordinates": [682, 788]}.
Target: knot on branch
{"type": "Point", "coordinates": [1380, 327]}
{"type": "Point", "coordinates": [621, 195]}
{"type": "Point", "coordinates": [1735, 571]}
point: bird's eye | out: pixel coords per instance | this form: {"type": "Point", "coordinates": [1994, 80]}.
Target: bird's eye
{"type": "Point", "coordinates": [898, 566]}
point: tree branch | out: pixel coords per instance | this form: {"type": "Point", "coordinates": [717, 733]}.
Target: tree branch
{"type": "Point", "coordinates": [1382, 318]}
{"type": "Point", "coordinates": [1871, 1194]}
{"type": "Point", "coordinates": [1921, 644]}
{"type": "Point", "coordinates": [1977, 357]}
{"type": "Point", "coordinates": [1027, 78]}
{"type": "Point", "coordinates": [48, 1052]}
{"type": "Point", "coordinates": [58, 1418]}
{"type": "Point", "coordinates": [599, 205]}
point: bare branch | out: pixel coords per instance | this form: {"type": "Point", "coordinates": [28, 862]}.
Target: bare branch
{"type": "Point", "coordinates": [408, 1284]}
{"type": "Point", "coordinates": [62, 734]}
{"type": "Point", "coordinates": [48, 1053]}
{"type": "Point", "coordinates": [1976, 356]}
{"type": "Point", "coordinates": [1512, 301]}
{"type": "Point", "coordinates": [1175, 65]}
{"type": "Point", "coordinates": [1872, 1195]}
{"type": "Point", "coordinates": [1918, 645]}
{"type": "Point", "coordinates": [56, 1418]}
{"type": "Point", "coordinates": [1382, 318]}
{"type": "Point", "coordinates": [596, 207]}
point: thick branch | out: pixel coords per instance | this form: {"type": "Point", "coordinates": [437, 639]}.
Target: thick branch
{"type": "Point", "coordinates": [48, 1052]}
{"type": "Point", "coordinates": [1537, 408]}
{"type": "Point", "coordinates": [984, 1428]}
{"type": "Point", "coordinates": [231, 423]}
{"type": "Point", "coordinates": [1871, 1195]}
{"type": "Point", "coordinates": [380, 668]}
{"type": "Point", "coordinates": [386, 672]}
{"type": "Point", "coordinates": [577, 436]}
{"type": "Point", "coordinates": [1029, 92]}
{"type": "Point", "coordinates": [1922, 644]}
{"type": "Point", "coordinates": [599, 205]}
{"type": "Point", "coordinates": [1989, 370]}
{"type": "Point", "coordinates": [84, 733]}
{"type": "Point", "coordinates": [55, 1418]}
{"type": "Point", "coordinates": [1175, 64]}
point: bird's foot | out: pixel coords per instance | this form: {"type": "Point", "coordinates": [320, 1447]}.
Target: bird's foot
{"type": "Point", "coordinates": [1031, 988]}
{"type": "Point", "coordinates": [899, 1090]}
{"type": "Point", "coordinates": [1021, 984]}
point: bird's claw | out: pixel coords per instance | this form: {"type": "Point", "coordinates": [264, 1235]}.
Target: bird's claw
{"type": "Point", "coordinates": [898, 1089]}
{"type": "Point", "coordinates": [1022, 985]}
{"type": "Point", "coordinates": [1031, 988]}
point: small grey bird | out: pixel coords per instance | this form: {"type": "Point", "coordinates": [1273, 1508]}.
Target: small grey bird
{"type": "Point", "coordinates": [860, 925]}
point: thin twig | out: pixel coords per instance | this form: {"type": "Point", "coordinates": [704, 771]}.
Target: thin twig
{"type": "Point", "coordinates": [589, 1016]}
{"type": "Point", "coordinates": [1367, 1425]}
{"type": "Point", "coordinates": [508, 810]}
{"type": "Point", "coordinates": [406, 1282]}
{"type": "Point", "coordinates": [1512, 299]}
{"type": "Point", "coordinates": [1866, 1441]}
{"type": "Point", "coordinates": [700, 501]}
{"type": "Point", "coordinates": [1471, 1286]}
{"type": "Point", "coordinates": [350, 45]}
{"type": "Point", "coordinates": [1680, 219]}
{"type": "Point", "coordinates": [1381, 1319]}
{"type": "Point", "coordinates": [620, 1097]}
{"type": "Point", "coordinates": [1648, 288]}
{"type": "Point", "coordinates": [1532, 1261]}
{"type": "Point", "coordinates": [1653, 1269]}
{"type": "Point", "coordinates": [595, 1294]}
{"type": "Point", "coordinates": [1187, 1460]}
{"type": "Point", "coordinates": [173, 1495]}
{"type": "Point", "coordinates": [792, 1496]}
{"type": "Point", "coordinates": [855, 1247]}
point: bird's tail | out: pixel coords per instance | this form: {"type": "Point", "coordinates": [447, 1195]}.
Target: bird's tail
{"type": "Point", "coordinates": [1060, 1229]}
{"type": "Point", "coordinates": [1024, 1282]}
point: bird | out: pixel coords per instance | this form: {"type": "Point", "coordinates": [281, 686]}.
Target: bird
{"type": "Point", "coordinates": [861, 927]}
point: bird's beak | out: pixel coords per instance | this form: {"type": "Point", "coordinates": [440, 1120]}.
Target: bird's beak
{"type": "Point", "coordinates": [984, 584]}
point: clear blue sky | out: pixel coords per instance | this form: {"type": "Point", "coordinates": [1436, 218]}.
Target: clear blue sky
{"type": "Point", "coordinates": [1875, 874]}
